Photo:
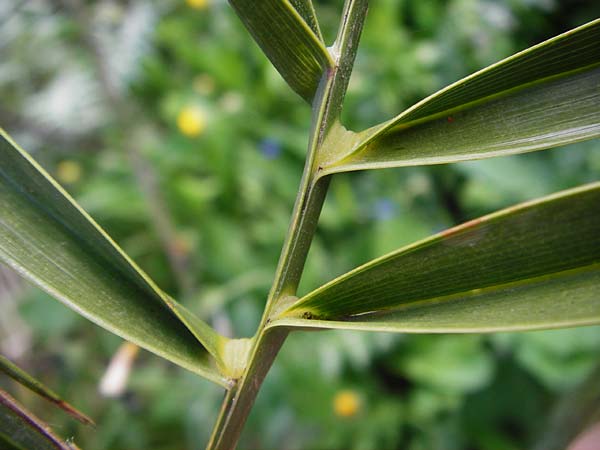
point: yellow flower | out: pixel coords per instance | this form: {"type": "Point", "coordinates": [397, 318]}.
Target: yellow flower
{"type": "Point", "coordinates": [68, 172]}
{"type": "Point", "coordinates": [197, 4]}
{"type": "Point", "coordinates": [346, 403]}
{"type": "Point", "coordinates": [191, 121]}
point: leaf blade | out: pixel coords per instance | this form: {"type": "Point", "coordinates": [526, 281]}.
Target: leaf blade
{"type": "Point", "coordinates": [50, 240]}
{"type": "Point", "coordinates": [307, 10]}
{"type": "Point", "coordinates": [288, 41]}
{"type": "Point", "coordinates": [469, 314]}
{"type": "Point", "coordinates": [22, 377]}
{"type": "Point", "coordinates": [24, 430]}
{"type": "Point", "coordinates": [540, 98]}
{"type": "Point", "coordinates": [504, 260]}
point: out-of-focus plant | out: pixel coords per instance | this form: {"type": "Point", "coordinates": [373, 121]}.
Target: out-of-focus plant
{"type": "Point", "coordinates": [528, 267]}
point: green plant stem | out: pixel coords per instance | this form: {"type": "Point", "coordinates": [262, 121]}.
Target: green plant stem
{"type": "Point", "coordinates": [240, 398]}
{"type": "Point", "coordinates": [577, 410]}
{"type": "Point", "coordinates": [327, 107]}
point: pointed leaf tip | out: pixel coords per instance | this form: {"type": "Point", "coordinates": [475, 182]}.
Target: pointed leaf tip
{"type": "Point", "coordinates": [22, 377]}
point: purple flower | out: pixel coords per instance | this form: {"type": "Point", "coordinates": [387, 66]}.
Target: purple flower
{"type": "Point", "coordinates": [270, 148]}
{"type": "Point", "coordinates": [384, 209]}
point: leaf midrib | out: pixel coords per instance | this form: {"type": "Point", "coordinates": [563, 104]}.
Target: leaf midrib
{"type": "Point", "coordinates": [476, 291]}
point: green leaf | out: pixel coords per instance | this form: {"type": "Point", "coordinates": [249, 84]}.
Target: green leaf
{"type": "Point", "coordinates": [50, 240]}
{"type": "Point", "coordinates": [535, 265]}
{"type": "Point", "coordinates": [540, 98]}
{"type": "Point", "coordinates": [28, 381]}
{"type": "Point", "coordinates": [307, 10]}
{"type": "Point", "coordinates": [19, 428]}
{"type": "Point", "coordinates": [288, 41]}
{"type": "Point", "coordinates": [8, 444]}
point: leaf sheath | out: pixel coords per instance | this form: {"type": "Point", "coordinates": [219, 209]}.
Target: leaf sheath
{"type": "Point", "coordinates": [543, 97]}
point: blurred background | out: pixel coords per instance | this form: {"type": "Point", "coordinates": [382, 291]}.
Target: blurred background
{"type": "Point", "coordinates": [166, 122]}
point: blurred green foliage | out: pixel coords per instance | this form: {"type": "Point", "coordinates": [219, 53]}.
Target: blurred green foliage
{"type": "Point", "coordinates": [222, 139]}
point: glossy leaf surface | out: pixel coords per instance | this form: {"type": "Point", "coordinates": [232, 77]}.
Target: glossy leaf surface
{"type": "Point", "coordinates": [36, 386]}
{"type": "Point", "coordinates": [306, 9]}
{"type": "Point", "coordinates": [535, 265]}
{"type": "Point", "coordinates": [543, 97]}
{"type": "Point", "coordinates": [49, 239]}
{"type": "Point", "coordinates": [288, 41]}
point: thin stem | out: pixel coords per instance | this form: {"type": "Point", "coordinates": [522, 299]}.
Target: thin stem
{"type": "Point", "coordinates": [576, 410]}
{"type": "Point", "coordinates": [298, 239]}
{"type": "Point", "coordinates": [147, 181]}
{"type": "Point", "coordinates": [327, 106]}
{"type": "Point", "coordinates": [239, 400]}
{"type": "Point", "coordinates": [143, 171]}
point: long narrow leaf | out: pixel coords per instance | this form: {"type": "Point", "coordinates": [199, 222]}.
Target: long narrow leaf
{"type": "Point", "coordinates": [307, 10]}
{"type": "Point", "coordinates": [19, 428]}
{"type": "Point", "coordinates": [535, 265]}
{"type": "Point", "coordinates": [543, 97]}
{"type": "Point", "coordinates": [288, 41]}
{"type": "Point", "coordinates": [36, 386]}
{"type": "Point", "coordinates": [49, 239]}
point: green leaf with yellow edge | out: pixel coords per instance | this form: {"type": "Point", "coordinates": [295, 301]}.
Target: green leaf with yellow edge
{"type": "Point", "coordinates": [22, 377]}
{"type": "Point", "coordinates": [531, 266]}
{"type": "Point", "coordinates": [542, 97]}
{"type": "Point", "coordinates": [20, 429]}
{"type": "Point", "coordinates": [289, 42]}
{"type": "Point", "coordinates": [50, 240]}
{"type": "Point", "coordinates": [307, 10]}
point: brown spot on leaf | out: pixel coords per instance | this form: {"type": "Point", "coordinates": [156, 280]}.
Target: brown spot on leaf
{"type": "Point", "coordinates": [463, 226]}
